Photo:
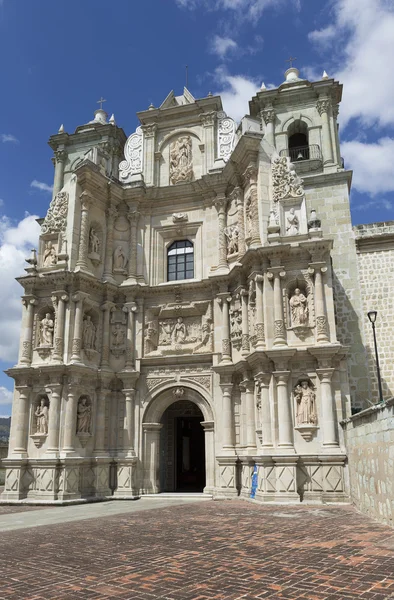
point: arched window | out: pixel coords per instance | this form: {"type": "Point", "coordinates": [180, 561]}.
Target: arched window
{"type": "Point", "coordinates": [298, 141]}
{"type": "Point", "coordinates": [180, 261]}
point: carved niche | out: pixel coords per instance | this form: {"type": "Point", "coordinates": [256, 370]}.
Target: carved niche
{"type": "Point", "coordinates": [95, 243]}
{"type": "Point", "coordinates": [90, 335]}
{"type": "Point", "coordinates": [44, 330]}
{"type": "Point", "coordinates": [299, 305]}
{"type": "Point", "coordinates": [181, 160]}
{"type": "Point", "coordinates": [232, 237]}
{"type": "Point", "coordinates": [305, 408]}
{"type": "Point", "coordinates": [179, 328]}
{"type": "Point", "coordinates": [236, 322]}
{"type": "Point", "coordinates": [40, 420]}
{"type": "Point", "coordinates": [84, 419]}
{"type": "Point", "coordinates": [118, 332]}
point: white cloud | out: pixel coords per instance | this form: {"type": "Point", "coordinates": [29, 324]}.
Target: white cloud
{"type": "Point", "coordinates": [372, 164]}
{"type": "Point", "coordinates": [222, 45]}
{"type": "Point", "coordinates": [236, 91]}
{"type": "Point", "coordinates": [16, 242]}
{"type": "Point", "coordinates": [247, 9]}
{"type": "Point", "coordinates": [8, 137]}
{"type": "Point", "coordinates": [39, 185]}
{"type": "Point", "coordinates": [5, 395]}
{"type": "Point", "coordinates": [362, 41]}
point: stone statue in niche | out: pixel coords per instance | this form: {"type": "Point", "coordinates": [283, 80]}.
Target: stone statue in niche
{"type": "Point", "coordinates": [84, 415]}
{"type": "Point", "coordinates": [94, 242]}
{"type": "Point", "coordinates": [42, 417]}
{"type": "Point", "coordinates": [181, 162]}
{"type": "Point", "coordinates": [120, 260]}
{"type": "Point", "coordinates": [232, 235]}
{"type": "Point", "coordinates": [118, 336]}
{"type": "Point", "coordinates": [298, 309]}
{"type": "Point", "coordinates": [46, 331]}
{"type": "Point", "coordinates": [89, 333]}
{"type": "Point", "coordinates": [50, 255]}
{"type": "Point", "coordinates": [150, 337]}
{"type": "Point", "coordinates": [179, 333]}
{"type": "Point", "coordinates": [293, 224]}
{"type": "Point", "coordinates": [305, 399]}
{"type": "Point", "coordinates": [236, 327]}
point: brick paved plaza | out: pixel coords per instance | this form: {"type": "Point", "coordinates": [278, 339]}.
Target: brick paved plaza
{"type": "Point", "coordinates": [196, 551]}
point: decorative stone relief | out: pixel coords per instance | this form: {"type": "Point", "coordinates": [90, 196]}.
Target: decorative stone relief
{"type": "Point", "coordinates": [133, 152]}
{"type": "Point", "coordinates": [118, 332]}
{"type": "Point", "coordinates": [226, 135]}
{"type": "Point", "coordinates": [285, 181]}
{"type": "Point", "coordinates": [203, 380]}
{"type": "Point", "coordinates": [292, 223]}
{"type": "Point", "coordinates": [49, 258]}
{"type": "Point", "coordinates": [56, 217]}
{"type": "Point", "coordinates": [181, 160]}
{"type": "Point", "coordinates": [89, 332]}
{"type": "Point", "coordinates": [232, 235]}
{"type": "Point", "coordinates": [206, 342]}
{"type": "Point", "coordinates": [253, 333]}
{"type": "Point", "coordinates": [178, 393]}
{"type": "Point", "coordinates": [236, 326]}
{"type": "Point", "coordinates": [179, 218]}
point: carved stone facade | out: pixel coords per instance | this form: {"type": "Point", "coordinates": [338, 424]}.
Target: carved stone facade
{"type": "Point", "coordinates": [183, 301]}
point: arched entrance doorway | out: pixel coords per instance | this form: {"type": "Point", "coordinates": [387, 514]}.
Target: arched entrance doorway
{"type": "Point", "coordinates": [178, 442]}
{"type": "Point", "coordinates": [182, 448]}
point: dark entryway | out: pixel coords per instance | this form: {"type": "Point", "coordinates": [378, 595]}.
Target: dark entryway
{"type": "Point", "coordinates": [182, 449]}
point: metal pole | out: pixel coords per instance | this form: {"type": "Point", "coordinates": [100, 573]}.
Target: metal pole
{"type": "Point", "coordinates": [377, 364]}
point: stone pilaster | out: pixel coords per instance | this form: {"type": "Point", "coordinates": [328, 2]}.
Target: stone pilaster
{"type": "Point", "coordinates": [149, 132]}
{"type": "Point", "coordinates": [78, 323]}
{"type": "Point", "coordinates": [86, 200]}
{"type": "Point", "coordinates": [245, 348]}
{"type": "Point", "coordinates": [221, 207]}
{"type": "Point", "coordinates": [227, 417]}
{"type": "Point", "coordinates": [259, 324]}
{"type": "Point", "coordinates": [224, 300]}
{"type": "Point", "coordinates": [250, 415]}
{"type": "Point", "coordinates": [70, 421]}
{"type": "Point", "coordinates": [151, 433]}
{"type": "Point", "coordinates": [133, 217]}
{"type": "Point", "coordinates": [264, 380]}
{"type": "Point", "coordinates": [208, 123]}
{"type": "Point", "coordinates": [268, 114]}
{"type": "Point", "coordinates": [28, 321]}
{"type": "Point", "coordinates": [238, 195]}
{"type": "Point", "coordinates": [128, 431]}
{"type": "Point", "coordinates": [276, 274]}
{"type": "Point", "coordinates": [60, 160]}
{"type": "Point", "coordinates": [60, 298]}
{"type": "Point", "coordinates": [285, 421]}
{"type": "Point", "coordinates": [323, 106]}
{"type": "Point", "coordinates": [109, 249]}
{"type": "Point", "coordinates": [99, 447]}
{"type": "Point", "coordinates": [319, 268]}
{"type": "Point", "coordinates": [328, 412]}
{"type": "Point", "coordinates": [107, 307]}
{"type": "Point", "coordinates": [22, 420]}
{"type": "Point", "coordinates": [131, 309]}
{"type": "Point", "coordinates": [251, 207]}
{"type": "Point", "coordinates": [209, 431]}
{"type": "Point", "coordinates": [55, 391]}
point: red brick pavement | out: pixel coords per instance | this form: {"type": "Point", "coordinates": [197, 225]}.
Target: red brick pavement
{"type": "Point", "coordinates": [208, 550]}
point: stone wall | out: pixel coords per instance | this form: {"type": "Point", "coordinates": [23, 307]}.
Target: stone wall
{"type": "Point", "coordinates": [375, 248]}
{"type": "Point", "coordinates": [369, 438]}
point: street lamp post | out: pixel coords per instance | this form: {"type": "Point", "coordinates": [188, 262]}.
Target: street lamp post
{"type": "Point", "coordinates": [372, 314]}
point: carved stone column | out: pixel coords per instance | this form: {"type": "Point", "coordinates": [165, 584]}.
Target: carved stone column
{"type": "Point", "coordinates": [82, 261]}
{"type": "Point", "coordinates": [60, 159]}
{"type": "Point", "coordinates": [70, 421]}
{"type": "Point", "coordinates": [106, 308]}
{"type": "Point", "coordinates": [22, 420]}
{"type": "Point", "coordinates": [251, 207]}
{"type": "Point", "coordinates": [128, 431]}
{"type": "Point", "coordinates": [322, 336]}
{"type": "Point", "coordinates": [250, 414]}
{"type": "Point", "coordinates": [78, 322]}
{"type": "Point", "coordinates": [55, 390]}
{"type": "Point", "coordinates": [285, 423]}
{"type": "Point", "coordinates": [224, 300]}
{"type": "Point", "coordinates": [109, 250]}
{"type": "Point", "coordinates": [242, 415]}
{"type": "Point", "coordinates": [268, 115]}
{"type": "Point", "coordinates": [259, 325]}
{"type": "Point", "coordinates": [131, 310]}
{"type": "Point", "coordinates": [227, 417]}
{"type": "Point", "coordinates": [266, 419]}
{"type": "Point", "coordinates": [276, 274]}
{"type": "Point", "coordinates": [59, 298]}
{"type": "Point", "coordinates": [133, 216]}
{"type": "Point", "coordinates": [209, 433]}
{"type": "Point", "coordinates": [238, 195]}
{"type": "Point", "coordinates": [221, 205]}
{"type": "Point", "coordinates": [245, 349]}
{"type": "Point", "coordinates": [323, 107]}
{"type": "Point", "coordinates": [208, 123]}
{"type": "Point", "coordinates": [151, 456]}
{"type": "Point", "coordinates": [27, 344]}
{"type": "Point", "coordinates": [149, 150]}
{"type": "Point", "coordinates": [330, 438]}
{"type": "Point", "coordinates": [99, 448]}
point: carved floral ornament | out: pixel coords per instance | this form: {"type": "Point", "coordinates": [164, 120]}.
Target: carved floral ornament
{"type": "Point", "coordinates": [133, 152]}
{"type": "Point", "coordinates": [285, 181]}
{"type": "Point", "coordinates": [56, 217]}
{"type": "Point", "coordinates": [226, 135]}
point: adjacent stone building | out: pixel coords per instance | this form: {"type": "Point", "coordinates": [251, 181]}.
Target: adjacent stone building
{"type": "Point", "coordinates": [193, 312]}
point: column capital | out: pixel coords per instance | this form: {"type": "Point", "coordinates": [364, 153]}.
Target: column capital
{"type": "Point", "coordinates": [29, 299]}
{"type": "Point", "coordinates": [23, 389]}
{"type": "Point", "coordinates": [112, 212]}
{"type": "Point", "coordinates": [250, 174]}
{"type": "Point", "coordinates": [323, 105]}
{"type": "Point", "coordinates": [281, 376]}
{"type": "Point", "coordinates": [133, 216]}
{"type": "Point", "coordinates": [248, 384]}
{"type": "Point", "coordinates": [325, 374]}
{"type": "Point", "coordinates": [86, 199]}
{"type": "Point", "coordinates": [227, 387]}
{"type": "Point", "coordinates": [108, 305]}
{"type": "Point", "coordinates": [130, 307]}
{"type": "Point", "coordinates": [244, 292]}
{"type": "Point", "coordinates": [259, 278]}
{"type": "Point", "coordinates": [237, 195]}
{"type": "Point", "coordinates": [263, 379]}
{"type": "Point", "coordinates": [129, 393]}
{"type": "Point", "coordinates": [268, 114]}
{"type": "Point", "coordinates": [276, 271]}
{"type": "Point", "coordinates": [60, 295]}
{"type": "Point", "coordinates": [220, 203]}
{"type": "Point", "coordinates": [80, 296]}
{"type": "Point", "coordinates": [60, 156]}
{"type": "Point", "coordinates": [208, 118]}
{"type": "Point", "coordinates": [54, 388]}
{"type": "Point", "coordinates": [223, 297]}
{"type": "Point", "coordinates": [149, 130]}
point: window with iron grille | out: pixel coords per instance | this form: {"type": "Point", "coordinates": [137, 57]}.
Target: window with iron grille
{"type": "Point", "coordinates": [180, 261]}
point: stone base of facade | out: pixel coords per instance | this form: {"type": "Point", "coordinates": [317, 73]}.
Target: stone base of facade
{"type": "Point", "coordinates": [227, 486]}
{"type": "Point", "coordinates": [126, 479]}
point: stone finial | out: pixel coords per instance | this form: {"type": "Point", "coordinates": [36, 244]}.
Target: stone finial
{"type": "Point", "coordinates": [151, 106]}
{"type": "Point", "coordinates": [61, 128]}
{"type": "Point", "coordinates": [100, 117]}
{"type": "Point", "coordinates": [32, 260]}
{"type": "Point", "coordinates": [292, 75]}
{"type": "Point", "coordinates": [112, 120]}
{"type": "Point", "coordinates": [209, 95]}
{"type": "Point", "coordinates": [262, 87]}
{"type": "Point", "coordinates": [325, 76]}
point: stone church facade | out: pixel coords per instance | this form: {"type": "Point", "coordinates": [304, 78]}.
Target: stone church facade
{"type": "Point", "coordinates": [193, 312]}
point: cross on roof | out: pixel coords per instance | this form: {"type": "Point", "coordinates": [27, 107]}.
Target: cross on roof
{"type": "Point", "coordinates": [290, 60]}
{"type": "Point", "coordinates": [101, 102]}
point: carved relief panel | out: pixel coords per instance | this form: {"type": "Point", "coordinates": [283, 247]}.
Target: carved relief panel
{"type": "Point", "coordinates": [118, 332]}
{"type": "Point", "coordinates": [181, 160]}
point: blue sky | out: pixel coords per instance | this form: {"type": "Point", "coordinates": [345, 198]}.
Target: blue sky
{"type": "Point", "coordinates": [58, 58]}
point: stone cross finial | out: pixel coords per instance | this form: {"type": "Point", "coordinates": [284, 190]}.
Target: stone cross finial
{"type": "Point", "coordinates": [101, 101]}
{"type": "Point", "coordinates": [291, 59]}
